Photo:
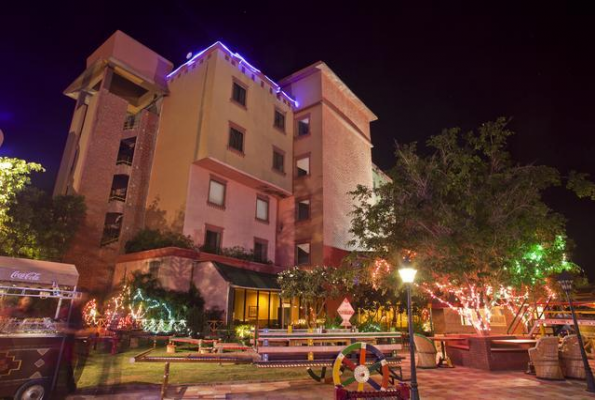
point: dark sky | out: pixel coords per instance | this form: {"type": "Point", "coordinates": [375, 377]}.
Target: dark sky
{"type": "Point", "coordinates": [420, 70]}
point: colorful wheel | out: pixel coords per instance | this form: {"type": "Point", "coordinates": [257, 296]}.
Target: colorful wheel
{"type": "Point", "coordinates": [360, 371]}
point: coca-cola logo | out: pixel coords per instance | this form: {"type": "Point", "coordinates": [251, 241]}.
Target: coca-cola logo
{"type": "Point", "coordinates": [25, 276]}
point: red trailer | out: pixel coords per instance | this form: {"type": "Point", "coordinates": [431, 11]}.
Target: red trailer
{"type": "Point", "coordinates": [32, 346]}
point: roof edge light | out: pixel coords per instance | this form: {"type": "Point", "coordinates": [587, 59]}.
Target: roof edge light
{"type": "Point", "coordinates": [241, 61]}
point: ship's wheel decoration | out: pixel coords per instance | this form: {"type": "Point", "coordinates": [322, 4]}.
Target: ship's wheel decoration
{"type": "Point", "coordinates": [361, 372]}
{"type": "Point", "coordinates": [8, 364]}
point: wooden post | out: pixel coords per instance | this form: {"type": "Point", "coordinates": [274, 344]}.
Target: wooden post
{"type": "Point", "coordinates": [165, 381]}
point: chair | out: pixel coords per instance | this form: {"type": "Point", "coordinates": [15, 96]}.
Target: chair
{"type": "Point", "coordinates": [544, 357]}
{"type": "Point", "coordinates": [570, 358]}
{"type": "Point", "coordinates": [426, 351]}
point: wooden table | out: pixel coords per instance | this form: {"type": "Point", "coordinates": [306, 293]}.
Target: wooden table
{"type": "Point", "coordinates": [444, 360]}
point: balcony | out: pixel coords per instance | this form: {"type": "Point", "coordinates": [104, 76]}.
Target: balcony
{"type": "Point", "coordinates": [119, 188]}
{"type": "Point", "coordinates": [111, 228]}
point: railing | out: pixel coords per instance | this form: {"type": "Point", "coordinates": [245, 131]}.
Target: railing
{"type": "Point", "coordinates": [131, 122]}
{"type": "Point", "coordinates": [110, 235]}
{"type": "Point", "coordinates": [124, 159]}
{"type": "Point", "coordinates": [118, 194]}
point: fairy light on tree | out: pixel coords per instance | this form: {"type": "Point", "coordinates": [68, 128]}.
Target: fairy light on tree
{"type": "Point", "coordinates": [475, 218]}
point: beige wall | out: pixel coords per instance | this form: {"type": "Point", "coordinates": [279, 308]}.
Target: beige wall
{"type": "Point", "coordinates": [257, 119]}
{"type": "Point", "coordinates": [238, 219]}
{"type": "Point", "coordinates": [195, 126]}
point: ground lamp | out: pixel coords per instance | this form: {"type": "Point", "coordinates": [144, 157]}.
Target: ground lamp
{"type": "Point", "coordinates": [565, 280]}
{"type": "Point", "coordinates": [407, 273]}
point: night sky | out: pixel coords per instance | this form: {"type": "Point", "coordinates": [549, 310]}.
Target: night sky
{"type": "Point", "coordinates": [419, 70]}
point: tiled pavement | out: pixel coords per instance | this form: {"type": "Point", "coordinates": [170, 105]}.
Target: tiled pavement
{"type": "Point", "coordinates": [436, 384]}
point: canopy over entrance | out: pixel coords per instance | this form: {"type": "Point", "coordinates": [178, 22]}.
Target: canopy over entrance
{"type": "Point", "coordinates": [35, 272]}
{"type": "Point", "coordinates": [245, 278]}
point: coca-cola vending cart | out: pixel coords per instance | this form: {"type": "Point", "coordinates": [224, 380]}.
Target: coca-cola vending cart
{"type": "Point", "coordinates": [35, 306]}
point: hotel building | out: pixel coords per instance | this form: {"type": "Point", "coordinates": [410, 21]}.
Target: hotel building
{"type": "Point", "coordinates": [217, 151]}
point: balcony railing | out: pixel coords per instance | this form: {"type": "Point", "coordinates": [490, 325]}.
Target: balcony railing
{"type": "Point", "coordinates": [124, 159]}
{"type": "Point", "coordinates": [111, 234]}
{"type": "Point", "coordinates": [131, 122]}
{"type": "Point", "coordinates": [118, 194]}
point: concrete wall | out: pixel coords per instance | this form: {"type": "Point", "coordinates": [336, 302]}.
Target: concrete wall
{"type": "Point", "coordinates": [134, 55]}
{"type": "Point", "coordinates": [238, 219]}
{"type": "Point", "coordinates": [213, 288]}
{"type": "Point", "coordinates": [177, 269]}
{"type": "Point", "coordinates": [340, 159]}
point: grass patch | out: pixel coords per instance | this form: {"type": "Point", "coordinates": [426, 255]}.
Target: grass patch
{"type": "Point", "coordinates": [104, 369]}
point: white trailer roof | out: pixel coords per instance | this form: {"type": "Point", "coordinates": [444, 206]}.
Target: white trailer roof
{"type": "Point", "coordinates": [36, 272]}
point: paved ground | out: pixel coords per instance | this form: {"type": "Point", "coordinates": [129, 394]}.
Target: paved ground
{"type": "Point", "coordinates": [438, 384]}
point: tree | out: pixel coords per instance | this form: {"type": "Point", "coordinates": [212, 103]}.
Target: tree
{"type": "Point", "coordinates": [40, 226]}
{"type": "Point", "coordinates": [468, 214]}
{"type": "Point", "coordinates": [32, 223]}
{"type": "Point", "coordinates": [14, 177]}
{"type": "Point", "coordinates": [315, 286]}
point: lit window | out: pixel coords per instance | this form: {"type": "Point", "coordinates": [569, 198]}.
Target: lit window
{"type": "Point", "coordinates": [279, 120]}
{"type": "Point", "coordinates": [260, 250]}
{"type": "Point", "coordinates": [302, 253]}
{"type": "Point", "coordinates": [302, 209]}
{"type": "Point", "coordinates": [239, 94]}
{"type": "Point", "coordinates": [278, 161]}
{"type": "Point", "coordinates": [262, 209]}
{"type": "Point", "coordinates": [217, 193]}
{"type": "Point", "coordinates": [236, 139]}
{"type": "Point", "coordinates": [212, 241]}
{"type": "Point", "coordinates": [302, 166]}
{"type": "Point", "coordinates": [303, 126]}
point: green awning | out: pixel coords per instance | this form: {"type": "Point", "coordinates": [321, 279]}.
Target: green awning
{"type": "Point", "coordinates": [245, 278]}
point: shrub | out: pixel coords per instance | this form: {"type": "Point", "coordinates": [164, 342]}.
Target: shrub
{"type": "Point", "coordinates": [149, 239]}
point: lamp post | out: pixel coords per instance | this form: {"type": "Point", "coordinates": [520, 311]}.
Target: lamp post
{"type": "Point", "coordinates": [565, 280]}
{"type": "Point", "coordinates": [407, 273]}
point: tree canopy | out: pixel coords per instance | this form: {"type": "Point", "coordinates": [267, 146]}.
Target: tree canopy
{"type": "Point", "coordinates": [34, 224]}
{"type": "Point", "coordinates": [470, 214]}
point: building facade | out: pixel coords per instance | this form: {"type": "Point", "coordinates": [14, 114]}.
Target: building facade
{"type": "Point", "coordinates": [215, 150]}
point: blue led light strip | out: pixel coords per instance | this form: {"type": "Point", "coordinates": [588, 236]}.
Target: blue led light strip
{"type": "Point", "coordinates": [241, 61]}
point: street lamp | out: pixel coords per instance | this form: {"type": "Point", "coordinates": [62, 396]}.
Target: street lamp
{"type": "Point", "coordinates": [407, 273]}
{"type": "Point", "coordinates": [565, 280]}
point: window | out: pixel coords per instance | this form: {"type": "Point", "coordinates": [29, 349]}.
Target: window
{"type": "Point", "coordinates": [239, 94]}
{"type": "Point", "coordinates": [236, 139]}
{"type": "Point", "coordinates": [217, 193]}
{"type": "Point", "coordinates": [303, 126]}
{"type": "Point", "coordinates": [302, 210]}
{"type": "Point", "coordinates": [278, 160]}
{"type": "Point", "coordinates": [111, 228]}
{"type": "Point", "coordinates": [279, 120]}
{"type": "Point", "coordinates": [302, 253]}
{"type": "Point", "coordinates": [260, 250]}
{"type": "Point", "coordinates": [262, 209]}
{"type": "Point", "coordinates": [154, 268]}
{"type": "Point", "coordinates": [302, 166]}
{"type": "Point", "coordinates": [212, 240]}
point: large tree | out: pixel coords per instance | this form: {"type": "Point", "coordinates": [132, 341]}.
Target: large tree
{"type": "Point", "coordinates": [34, 224]}
{"type": "Point", "coordinates": [469, 215]}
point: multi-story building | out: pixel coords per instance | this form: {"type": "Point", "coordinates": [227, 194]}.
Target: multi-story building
{"type": "Point", "coordinates": [218, 151]}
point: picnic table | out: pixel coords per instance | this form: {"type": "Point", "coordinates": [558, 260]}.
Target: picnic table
{"type": "Point", "coordinates": [198, 342]}
{"type": "Point", "coordinates": [315, 349]}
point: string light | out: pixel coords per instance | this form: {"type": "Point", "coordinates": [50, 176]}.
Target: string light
{"type": "Point", "coordinates": [241, 61]}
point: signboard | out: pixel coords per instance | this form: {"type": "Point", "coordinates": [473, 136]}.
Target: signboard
{"type": "Point", "coordinates": [37, 272]}
{"type": "Point", "coordinates": [346, 312]}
